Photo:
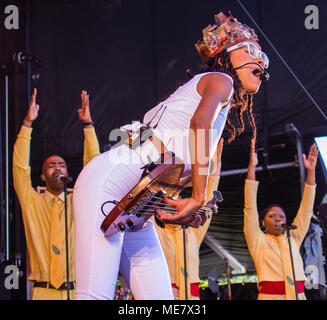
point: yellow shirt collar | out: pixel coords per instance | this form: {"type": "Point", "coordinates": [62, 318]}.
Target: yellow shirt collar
{"type": "Point", "coordinates": [48, 196]}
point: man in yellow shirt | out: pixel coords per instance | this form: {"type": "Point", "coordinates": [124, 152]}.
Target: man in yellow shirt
{"type": "Point", "coordinates": [270, 249]}
{"type": "Point", "coordinates": [44, 214]}
{"type": "Point", "coordinates": [171, 239]}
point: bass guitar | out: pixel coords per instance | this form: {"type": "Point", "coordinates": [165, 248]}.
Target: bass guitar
{"type": "Point", "coordinates": [140, 203]}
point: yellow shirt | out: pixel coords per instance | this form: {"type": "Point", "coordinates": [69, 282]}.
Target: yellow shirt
{"type": "Point", "coordinates": [264, 248]}
{"type": "Point", "coordinates": [171, 239]}
{"type": "Point", "coordinates": [36, 208]}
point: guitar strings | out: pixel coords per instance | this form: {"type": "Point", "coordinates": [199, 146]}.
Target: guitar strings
{"type": "Point", "coordinates": [156, 201]}
{"type": "Point", "coordinates": [169, 208]}
{"type": "Point", "coordinates": [203, 209]}
{"type": "Point", "coordinates": [150, 213]}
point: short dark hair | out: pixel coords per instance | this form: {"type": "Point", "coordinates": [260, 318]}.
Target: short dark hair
{"type": "Point", "coordinates": [267, 209]}
{"type": "Point", "coordinates": [47, 157]}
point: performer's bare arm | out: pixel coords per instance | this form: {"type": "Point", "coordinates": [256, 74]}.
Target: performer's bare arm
{"type": "Point", "coordinates": [216, 91]}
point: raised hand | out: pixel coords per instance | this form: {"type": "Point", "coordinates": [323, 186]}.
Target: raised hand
{"type": "Point", "coordinates": [253, 155]}
{"type": "Point", "coordinates": [310, 162]}
{"type": "Point", "coordinates": [32, 112]}
{"type": "Point", "coordinates": [253, 161]}
{"type": "Point", "coordinates": [84, 112]}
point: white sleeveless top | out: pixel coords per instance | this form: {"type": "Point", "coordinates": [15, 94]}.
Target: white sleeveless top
{"type": "Point", "coordinates": [174, 114]}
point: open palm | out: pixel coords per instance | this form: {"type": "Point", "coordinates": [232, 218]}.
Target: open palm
{"type": "Point", "coordinates": [310, 162]}
{"type": "Point", "coordinates": [33, 109]}
{"type": "Point", "coordinates": [84, 112]}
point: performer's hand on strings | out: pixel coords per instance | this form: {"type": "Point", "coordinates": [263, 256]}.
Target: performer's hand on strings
{"type": "Point", "coordinates": [84, 112]}
{"type": "Point", "coordinates": [185, 215]}
{"type": "Point", "coordinates": [187, 208]}
{"type": "Point", "coordinates": [33, 111]}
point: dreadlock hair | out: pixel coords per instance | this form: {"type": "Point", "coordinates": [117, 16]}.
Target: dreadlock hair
{"type": "Point", "coordinates": [243, 103]}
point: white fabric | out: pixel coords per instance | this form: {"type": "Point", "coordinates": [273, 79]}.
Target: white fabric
{"type": "Point", "coordinates": [109, 177]}
{"type": "Point", "coordinates": [137, 255]}
{"type": "Point", "coordinates": [174, 123]}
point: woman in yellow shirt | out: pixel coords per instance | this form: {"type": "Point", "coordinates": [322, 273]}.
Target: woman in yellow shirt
{"type": "Point", "coordinates": [270, 249]}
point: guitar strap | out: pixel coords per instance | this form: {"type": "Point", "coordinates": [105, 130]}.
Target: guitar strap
{"type": "Point", "coordinates": [159, 145]}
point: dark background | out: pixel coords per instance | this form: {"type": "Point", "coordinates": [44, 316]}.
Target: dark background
{"type": "Point", "coordinates": [129, 55]}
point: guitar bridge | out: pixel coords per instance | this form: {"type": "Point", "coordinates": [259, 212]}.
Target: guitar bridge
{"type": "Point", "coordinates": [140, 205]}
{"type": "Point", "coordinates": [149, 202]}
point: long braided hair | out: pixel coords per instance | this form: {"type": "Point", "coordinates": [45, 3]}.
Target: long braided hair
{"type": "Point", "coordinates": [241, 103]}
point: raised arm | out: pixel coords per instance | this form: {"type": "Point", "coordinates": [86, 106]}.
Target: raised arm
{"type": "Point", "coordinates": [91, 144]}
{"type": "Point", "coordinates": [216, 90]}
{"type": "Point", "coordinates": [21, 154]}
{"type": "Point", "coordinates": [251, 218]}
{"type": "Point", "coordinates": [310, 163]}
{"type": "Point", "coordinates": [304, 214]}
{"type": "Point", "coordinates": [253, 161]}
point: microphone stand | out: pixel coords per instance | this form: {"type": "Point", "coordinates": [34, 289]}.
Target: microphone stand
{"type": "Point", "coordinates": [228, 279]}
{"type": "Point", "coordinates": [291, 255]}
{"type": "Point", "coordinates": [185, 265]}
{"type": "Point", "coordinates": [67, 247]}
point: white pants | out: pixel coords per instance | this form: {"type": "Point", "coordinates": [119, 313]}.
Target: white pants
{"type": "Point", "coordinates": [98, 259]}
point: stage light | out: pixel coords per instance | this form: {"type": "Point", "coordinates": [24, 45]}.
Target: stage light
{"type": "Point", "coordinates": [321, 143]}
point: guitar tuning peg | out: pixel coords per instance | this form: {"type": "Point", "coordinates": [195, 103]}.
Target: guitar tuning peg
{"type": "Point", "coordinates": [217, 196]}
{"type": "Point", "coordinates": [214, 209]}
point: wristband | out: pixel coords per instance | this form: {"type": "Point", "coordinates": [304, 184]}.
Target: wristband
{"type": "Point", "coordinates": [91, 123]}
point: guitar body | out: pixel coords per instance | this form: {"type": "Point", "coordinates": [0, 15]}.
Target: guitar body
{"type": "Point", "coordinates": [138, 205]}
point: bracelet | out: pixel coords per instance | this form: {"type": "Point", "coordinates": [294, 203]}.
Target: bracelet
{"type": "Point", "coordinates": [91, 123]}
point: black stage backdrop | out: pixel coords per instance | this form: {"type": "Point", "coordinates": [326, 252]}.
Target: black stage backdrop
{"type": "Point", "coordinates": [129, 55]}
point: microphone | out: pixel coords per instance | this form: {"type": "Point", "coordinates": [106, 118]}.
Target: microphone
{"type": "Point", "coordinates": [265, 76]}
{"type": "Point", "coordinates": [65, 179]}
{"type": "Point", "coordinates": [287, 226]}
